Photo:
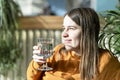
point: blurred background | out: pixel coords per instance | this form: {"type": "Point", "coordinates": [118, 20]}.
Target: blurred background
{"type": "Point", "coordinates": [59, 7]}
{"type": "Point", "coordinates": [23, 21]}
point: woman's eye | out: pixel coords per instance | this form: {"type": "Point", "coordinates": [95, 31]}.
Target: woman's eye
{"type": "Point", "coordinates": [72, 28]}
{"type": "Point", "coordinates": [69, 28]}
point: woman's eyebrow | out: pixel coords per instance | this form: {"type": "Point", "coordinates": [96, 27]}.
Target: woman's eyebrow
{"type": "Point", "coordinates": [71, 26]}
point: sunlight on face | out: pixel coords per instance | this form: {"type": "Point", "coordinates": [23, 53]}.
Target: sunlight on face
{"type": "Point", "coordinates": [70, 34]}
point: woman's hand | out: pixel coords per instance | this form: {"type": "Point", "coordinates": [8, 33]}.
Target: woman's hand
{"type": "Point", "coordinates": [36, 57]}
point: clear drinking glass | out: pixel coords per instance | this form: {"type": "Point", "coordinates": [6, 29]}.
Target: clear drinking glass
{"type": "Point", "coordinates": [46, 50]}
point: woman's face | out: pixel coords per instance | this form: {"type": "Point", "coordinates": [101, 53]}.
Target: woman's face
{"type": "Point", "coordinates": [71, 34]}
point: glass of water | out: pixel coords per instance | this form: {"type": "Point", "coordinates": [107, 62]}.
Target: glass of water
{"type": "Point", "coordinates": [46, 50]}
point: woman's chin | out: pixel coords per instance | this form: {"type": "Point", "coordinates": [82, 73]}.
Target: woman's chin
{"type": "Point", "coordinates": [68, 48]}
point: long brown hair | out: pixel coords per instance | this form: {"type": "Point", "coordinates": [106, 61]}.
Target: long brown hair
{"type": "Point", "coordinates": [88, 20]}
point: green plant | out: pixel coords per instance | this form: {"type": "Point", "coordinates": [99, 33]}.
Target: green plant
{"type": "Point", "coordinates": [110, 33]}
{"type": "Point", "coordinates": [10, 48]}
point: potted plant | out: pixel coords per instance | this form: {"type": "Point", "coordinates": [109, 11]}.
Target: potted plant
{"type": "Point", "coordinates": [110, 33]}
{"type": "Point", "coordinates": [10, 49]}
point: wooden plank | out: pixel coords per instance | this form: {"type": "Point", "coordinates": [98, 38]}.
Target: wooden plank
{"type": "Point", "coordinates": [41, 22]}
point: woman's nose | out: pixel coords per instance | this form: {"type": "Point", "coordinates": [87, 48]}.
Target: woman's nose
{"type": "Point", "coordinates": [65, 34]}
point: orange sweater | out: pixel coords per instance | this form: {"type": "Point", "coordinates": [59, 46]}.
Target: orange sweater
{"type": "Point", "coordinates": [66, 67]}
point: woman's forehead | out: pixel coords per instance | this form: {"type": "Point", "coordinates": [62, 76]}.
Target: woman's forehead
{"type": "Point", "coordinates": [68, 21]}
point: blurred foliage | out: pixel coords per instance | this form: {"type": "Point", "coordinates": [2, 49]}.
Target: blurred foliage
{"type": "Point", "coordinates": [10, 47]}
{"type": "Point", "coordinates": [110, 33]}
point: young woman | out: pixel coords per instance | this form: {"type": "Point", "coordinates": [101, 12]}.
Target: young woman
{"type": "Point", "coordinates": [78, 57]}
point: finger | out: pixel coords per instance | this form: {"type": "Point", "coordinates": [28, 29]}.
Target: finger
{"type": "Point", "coordinates": [37, 60]}
{"type": "Point", "coordinates": [37, 57]}
{"type": "Point", "coordinates": [36, 51]}
{"type": "Point", "coordinates": [35, 47]}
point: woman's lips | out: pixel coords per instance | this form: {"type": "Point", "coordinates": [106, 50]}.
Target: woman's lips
{"type": "Point", "coordinates": [67, 40]}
